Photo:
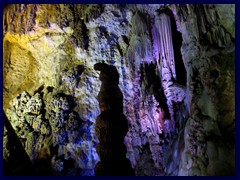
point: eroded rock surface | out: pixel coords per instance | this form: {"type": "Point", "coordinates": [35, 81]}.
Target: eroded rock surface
{"type": "Point", "coordinates": [176, 74]}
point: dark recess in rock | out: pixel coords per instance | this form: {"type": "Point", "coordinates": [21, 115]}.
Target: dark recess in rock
{"type": "Point", "coordinates": [111, 126]}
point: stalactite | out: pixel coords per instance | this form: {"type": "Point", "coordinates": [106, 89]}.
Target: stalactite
{"type": "Point", "coordinates": [164, 42]}
{"type": "Point", "coordinates": [163, 48]}
{"type": "Point", "coordinates": [140, 24]}
{"type": "Point", "coordinates": [47, 45]}
{"type": "Point", "coordinates": [140, 49]}
{"type": "Point", "coordinates": [209, 31]}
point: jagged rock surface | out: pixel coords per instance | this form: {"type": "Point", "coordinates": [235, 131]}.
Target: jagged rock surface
{"type": "Point", "coordinates": [49, 51]}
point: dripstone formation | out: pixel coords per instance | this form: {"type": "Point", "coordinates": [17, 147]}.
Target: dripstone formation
{"type": "Point", "coordinates": [111, 125]}
{"type": "Point", "coordinates": [176, 65]}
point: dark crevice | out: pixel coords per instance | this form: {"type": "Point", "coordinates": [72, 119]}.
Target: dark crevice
{"type": "Point", "coordinates": [85, 35]}
{"type": "Point", "coordinates": [181, 73]}
{"type": "Point", "coordinates": [153, 84]}
{"type": "Point", "coordinates": [125, 39]}
{"type": "Point", "coordinates": [70, 99]}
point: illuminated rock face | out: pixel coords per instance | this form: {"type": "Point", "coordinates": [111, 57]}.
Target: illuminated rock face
{"type": "Point", "coordinates": [176, 74]}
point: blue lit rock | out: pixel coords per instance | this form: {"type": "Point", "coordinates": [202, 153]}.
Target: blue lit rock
{"type": "Point", "coordinates": [54, 47]}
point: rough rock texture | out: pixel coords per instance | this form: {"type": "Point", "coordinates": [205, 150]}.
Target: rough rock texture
{"type": "Point", "coordinates": [208, 51]}
{"type": "Point", "coordinates": [50, 131]}
{"type": "Point", "coordinates": [177, 74]}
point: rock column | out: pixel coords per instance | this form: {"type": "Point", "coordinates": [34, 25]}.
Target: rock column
{"type": "Point", "coordinates": [111, 126]}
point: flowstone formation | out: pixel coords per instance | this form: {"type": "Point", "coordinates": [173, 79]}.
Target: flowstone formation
{"type": "Point", "coordinates": [176, 66]}
{"type": "Point", "coordinates": [111, 126]}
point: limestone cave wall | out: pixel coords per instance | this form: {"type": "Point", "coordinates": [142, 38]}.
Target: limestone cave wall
{"type": "Point", "coordinates": [177, 75]}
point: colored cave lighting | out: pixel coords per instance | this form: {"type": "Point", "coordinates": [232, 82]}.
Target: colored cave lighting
{"type": "Point", "coordinates": [163, 46]}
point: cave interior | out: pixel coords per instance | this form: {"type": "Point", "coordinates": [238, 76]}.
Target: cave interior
{"type": "Point", "coordinates": [119, 89]}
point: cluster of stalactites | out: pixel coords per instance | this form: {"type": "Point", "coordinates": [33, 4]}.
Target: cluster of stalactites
{"type": "Point", "coordinates": [162, 43]}
{"type": "Point", "coordinates": [157, 45]}
{"type": "Point", "coordinates": [140, 49]}
{"type": "Point", "coordinates": [153, 45]}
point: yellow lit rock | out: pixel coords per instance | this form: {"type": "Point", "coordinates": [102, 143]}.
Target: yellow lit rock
{"type": "Point", "coordinates": [32, 59]}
